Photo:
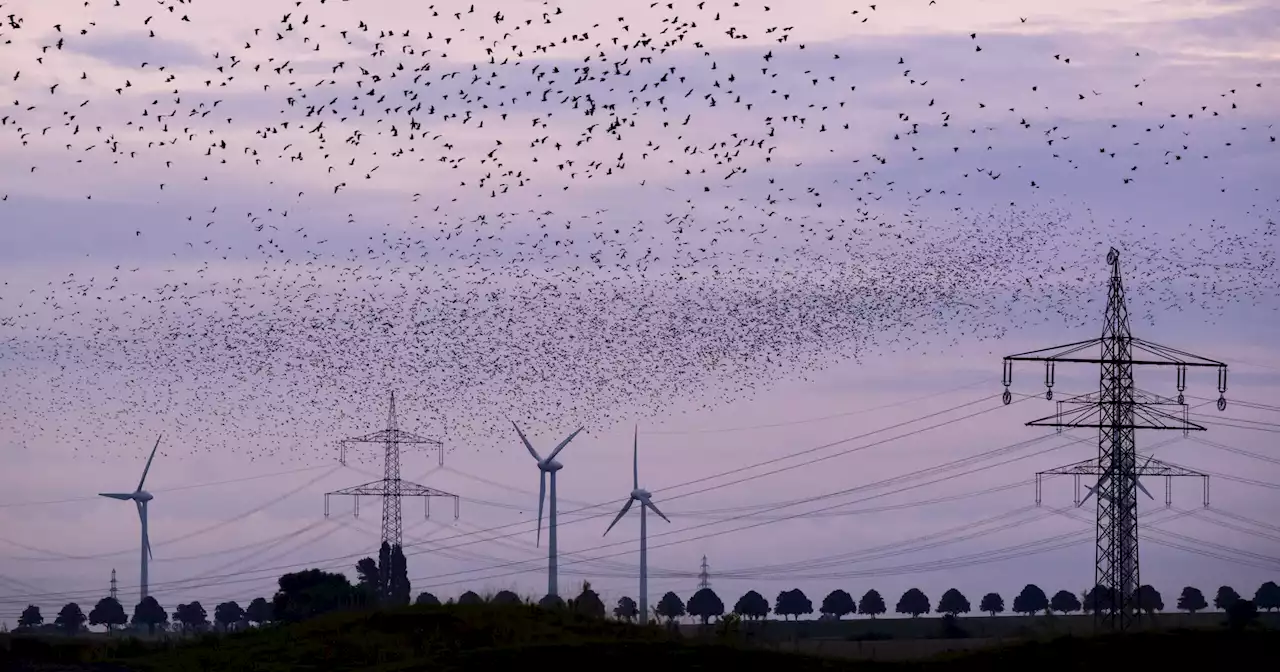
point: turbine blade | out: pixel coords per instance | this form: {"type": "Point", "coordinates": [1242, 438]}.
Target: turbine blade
{"type": "Point", "coordinates": [635, 461]}
{"type": "Point", "coordinates": [654, 507]}
{"type": "Point", "coordinates": [124, 496]}
{"type": "Point", "coordinates": [1087, 496]}
{"type": "Point", "coordinates": [625, 508]}
{"type": "Point", "coordinates": [1143, 488]}
{"type": "Point", "coordinates": [528, 445]}
{"type": "Point", "coordinates": [148, 467]}
{"type": "Point", "coordinates": [542, 496]}
{"type": "Point", "coordinates": [564, 443]}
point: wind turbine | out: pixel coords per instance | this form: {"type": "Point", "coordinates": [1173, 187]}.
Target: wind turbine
{"type": "Point", "coordinates": [641, 495]}
{"type": "Point", "coordinates": [548, 466]}
{"type": "Point", "coordinates": [140, 498]}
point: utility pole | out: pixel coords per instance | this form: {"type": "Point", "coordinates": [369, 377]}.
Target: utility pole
{"type": "Point", "coordinates": [113, 584]}
{"type": "Point", "coordinates": [391, 488]}
{"type": "Point", "coordinates": [704, 577]}
{"type": "Point", "coordinates": [1117, 410]}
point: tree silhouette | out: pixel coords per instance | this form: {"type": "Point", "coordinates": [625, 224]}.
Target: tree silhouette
{"type": "Point", "coordinates": [705, 605]}
{"type": "Point", "coordinates": [548, 601]}
{"type": "Point", "coordinates": [398, 588]}
{"type": "Point", "coordinates": [1268, 596]}
{"type": "Point", "coordinates": [839, 604]}
{"type": "Point", "coordinates": [427, 599]}
{"type": "Point", "coordinates": [1097, 599]}
{"type": "Point", "coordinates": [30, 617]}
{"type": "Point", "coordinates": [953, 602]}
{"type": "Point", "coordinates": [871, 604]}
{"type": "Point", "coordinates": [1241, 614]}
{"type": "Point", "coordinates": [228, 614]}
{"type": "Point", "coordinates": [504, 597]}
{"type": "Point", "coordinates": [992, 604]}
{"type": "Point", "coordinates": [70, 619]}
{"type": "Point", "coordinates": [1148, 599]}
{"type": "Point", "coordinates": [191, 616]}
{"type": "Point", "coordinates": [626, 609]}
{"type": "Point", "coordinates": [469, 598]}
{"type": "Point", "coordinates": [1064, 602]}
{"type": "Point", "coordinates": [368, 580]}
{"type": "Point", "coordinates": [148, 612]}
{"type": "Point", "coordinates": [1226, 597]}
{"type": "Point", "coordinates": [588, 603]}
{"type": "Point", "coordinates": [670, 607]}
{"type": "Point", "coordinates": [752, 605]}
{"type": "Point", "coordinates": [259, 611]}
{"type": "Point", "coordinates": [1192, 600]}
{"type": "Point", "coordinates": [792, 603]}
{"type": "Point", "coordinates": [311, 592]}
{"type": "Point", "coordinates": [1031, 600]}
{"type": "Point", "coordinates": [108, 612]}
{"type": "Point", "coordinates": [913, 602]}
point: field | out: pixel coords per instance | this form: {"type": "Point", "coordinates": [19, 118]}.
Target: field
{"type": "Point", "coordinates": [486, 637]}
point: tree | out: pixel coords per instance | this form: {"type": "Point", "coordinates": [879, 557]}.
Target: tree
{"type": "Point", "coordinates": [30, 617]}
{"type": "Point", "coordinates": [192, 616]}
{"type": "Point", "coordinates": [70, 619]}
{"type": "Point", "coordinates": [992, 604]}
{"type": "Point", "coordinates": [1226, 597]}
{"type": "Point", "coordinates": [427, 599]}
{"type": "Point", "coordinates": [1031, 600]}
{"type": "Point", "coordinates": [1148, 599]}
{"type": "Point", "coordinates": [470, 597]}
{"type": "Point", "coordinates": [504, 597]}
{"type": "Point", "coordinates": [871, 604]}
{"type": "Point", "coordinates": [705, 605]}
{"type": "Point", "coordinates": [1097, 599]}
{"type": "Point", "coordinates": [626, 609]}
{"type": "Point", "coordinates": [588, 602]}
{"type": "Point", "coordinates": [228, 614]}
{"type": "Point", "coordinates": [148, 612]}
{"type": "Point", "coordinates": [1192, 600]}
{"type": "Point", "coordinates": [1064, 602]}
{"type": "Point", "coordinates": [108, 612]}
{"type": "Point", "coordinates": [368, 580]}
{"type": "Point", "coordinates": [792, 603]}
{"type": "Point", "coordinates": [1268, 596]}
{"type": "Point", "coordinates": [953, 602]}
{"type": "Point", "coordinates": [839, 604]}
{"type": "Point", "coordinates": [551, 602]}
{"type": "Point", "coordinates": [1241, 614]}
{"type": "Point", "coordinates": [398, 588]}
{"type": "Point", "coordinates": [670, 607]}
{"type": "Point", "coordinates": [752, 605]}
{"type": "Point", "coordinates": [913, 602]}
{"type": "Point", "coordinates": [311, 592]}
{"type": "Point", "coordinates": [259, 611]}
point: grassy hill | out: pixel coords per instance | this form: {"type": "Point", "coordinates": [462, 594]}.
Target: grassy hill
{"type": "Point", "coordinates": [486, 637]}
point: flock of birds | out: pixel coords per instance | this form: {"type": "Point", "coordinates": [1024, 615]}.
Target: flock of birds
{"type": "Point", "coordinates": [522, 211]}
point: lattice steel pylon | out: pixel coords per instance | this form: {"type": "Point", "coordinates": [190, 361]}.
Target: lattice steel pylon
{"type": "Point", "coordinates": [1117, 410]}
{"type": "Point", "coordinates": [391, 488]}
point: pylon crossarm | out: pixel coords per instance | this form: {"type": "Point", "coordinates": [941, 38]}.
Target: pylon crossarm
{"type": "Point", "coordinates": [1173, 355]}
{"type": "Point", "coordinates": [1055, 352]}
{"type": "Point", "coordinates": [1092, 416]}
{"type": "Point", "coordinates": [393, 436]}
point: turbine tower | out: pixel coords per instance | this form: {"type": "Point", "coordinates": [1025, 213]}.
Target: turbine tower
{"type": "Point", "coordinates": [140, 498]}
{"type": "Point", "coordinates": [548, 466]}
{"type": "Point", "coordinates": [640, 495]}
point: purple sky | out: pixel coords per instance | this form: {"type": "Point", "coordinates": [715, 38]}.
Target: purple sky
{"type": "Point", "coordinates": [1199, 263]}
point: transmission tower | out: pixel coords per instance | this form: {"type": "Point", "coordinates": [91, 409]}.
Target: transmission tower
{"type": "Point", "coordinates": [391, 488]}
{"type": "Point", "coordinates": [113, 584]}
{"type": "Point", "coordinates": [704, 576]}
{"type": "Point", "coordinates": [1117, 410]}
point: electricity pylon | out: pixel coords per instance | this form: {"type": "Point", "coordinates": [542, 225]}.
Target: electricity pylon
{"type": "Point", "coordinates": [1117, 410]}
{"type": "Point", "coordinates": [391, 488]}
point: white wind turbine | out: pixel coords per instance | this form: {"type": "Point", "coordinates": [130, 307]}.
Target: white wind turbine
{"type": "Point", "coordinates": [140, 498]}
{"type": "Point", "coordinates": [639, 495]}
{"type": "Point", "coordinates": [548, 466]}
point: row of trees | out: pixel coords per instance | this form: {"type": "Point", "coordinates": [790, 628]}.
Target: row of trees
{"type": "Point", "coordinates": [705, 604]}
{"type": "Point", "coordinates": [305, 594]}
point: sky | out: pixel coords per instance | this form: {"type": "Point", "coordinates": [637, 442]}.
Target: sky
{"type": "Point", "coordinates": [813, 346]}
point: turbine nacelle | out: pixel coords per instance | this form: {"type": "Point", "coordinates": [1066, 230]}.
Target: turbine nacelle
{"type": "Point", "coordinates": [142, 496]}
{"type": "Point", "coordinates": [641, 494]}
{"type": "Point", "coordinates": [549, 466]}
